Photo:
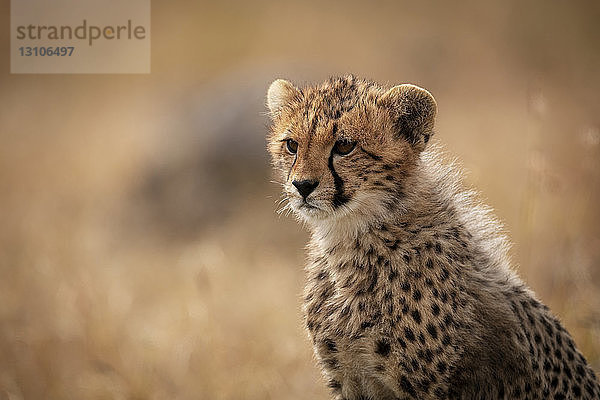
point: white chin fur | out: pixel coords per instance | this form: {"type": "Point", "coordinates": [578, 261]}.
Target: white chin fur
{"type": "Point", "coordinates": [352, 217]}
{"type": "Point", "coordinates": [309, 212]}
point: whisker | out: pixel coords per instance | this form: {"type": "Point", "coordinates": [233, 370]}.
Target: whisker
{"type": "Point", "coordinates": [278, 183]}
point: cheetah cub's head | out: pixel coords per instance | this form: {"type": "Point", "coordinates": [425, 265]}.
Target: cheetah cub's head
{"type": "Point", "coordinates": [347, 147]}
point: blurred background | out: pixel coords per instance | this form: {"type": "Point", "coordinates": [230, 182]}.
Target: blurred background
{"type": "Point", "coordinates": [140, 254]}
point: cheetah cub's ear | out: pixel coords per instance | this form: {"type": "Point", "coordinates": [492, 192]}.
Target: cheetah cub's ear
{"type": "Point", "coordinates": [279, 94]}
{"type": "Point", "coordinates": [413, 109]}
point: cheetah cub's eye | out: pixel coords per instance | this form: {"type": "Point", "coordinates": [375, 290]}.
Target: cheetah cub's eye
{"type": "Point", "coordinates": [343, 147]}
{"type": "Point", "coordinates": [292, 146]}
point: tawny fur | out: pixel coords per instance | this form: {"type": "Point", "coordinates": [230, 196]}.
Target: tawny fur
{"type": "Point", "coordinates": [409, 289]}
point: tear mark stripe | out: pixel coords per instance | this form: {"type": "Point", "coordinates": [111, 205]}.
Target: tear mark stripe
{"type": "Point", "coordinates": [339, 198]}
{"type": "Point", "coordinates": [292, 167]}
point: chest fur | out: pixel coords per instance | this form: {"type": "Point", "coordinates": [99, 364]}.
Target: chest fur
{"type": "Point", "coordinates": [386, 301]}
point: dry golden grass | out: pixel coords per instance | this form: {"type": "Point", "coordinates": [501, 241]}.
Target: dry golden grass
{"type": "Point", "coordinates": [140, 255]}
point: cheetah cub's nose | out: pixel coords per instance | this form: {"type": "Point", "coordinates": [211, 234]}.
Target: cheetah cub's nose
{"type": "Point", "coordinates": [305, 187]}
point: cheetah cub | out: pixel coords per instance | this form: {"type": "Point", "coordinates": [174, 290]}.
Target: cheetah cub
{"type": "Point", "coordinates": [409, 293]}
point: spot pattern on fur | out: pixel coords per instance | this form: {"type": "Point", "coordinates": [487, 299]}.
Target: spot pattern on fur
{"type": "Point", "coordinates": [409, 291]}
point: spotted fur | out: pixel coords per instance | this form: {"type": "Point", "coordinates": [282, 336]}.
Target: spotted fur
{"type": "Point", "coordinates": [409, 291]}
